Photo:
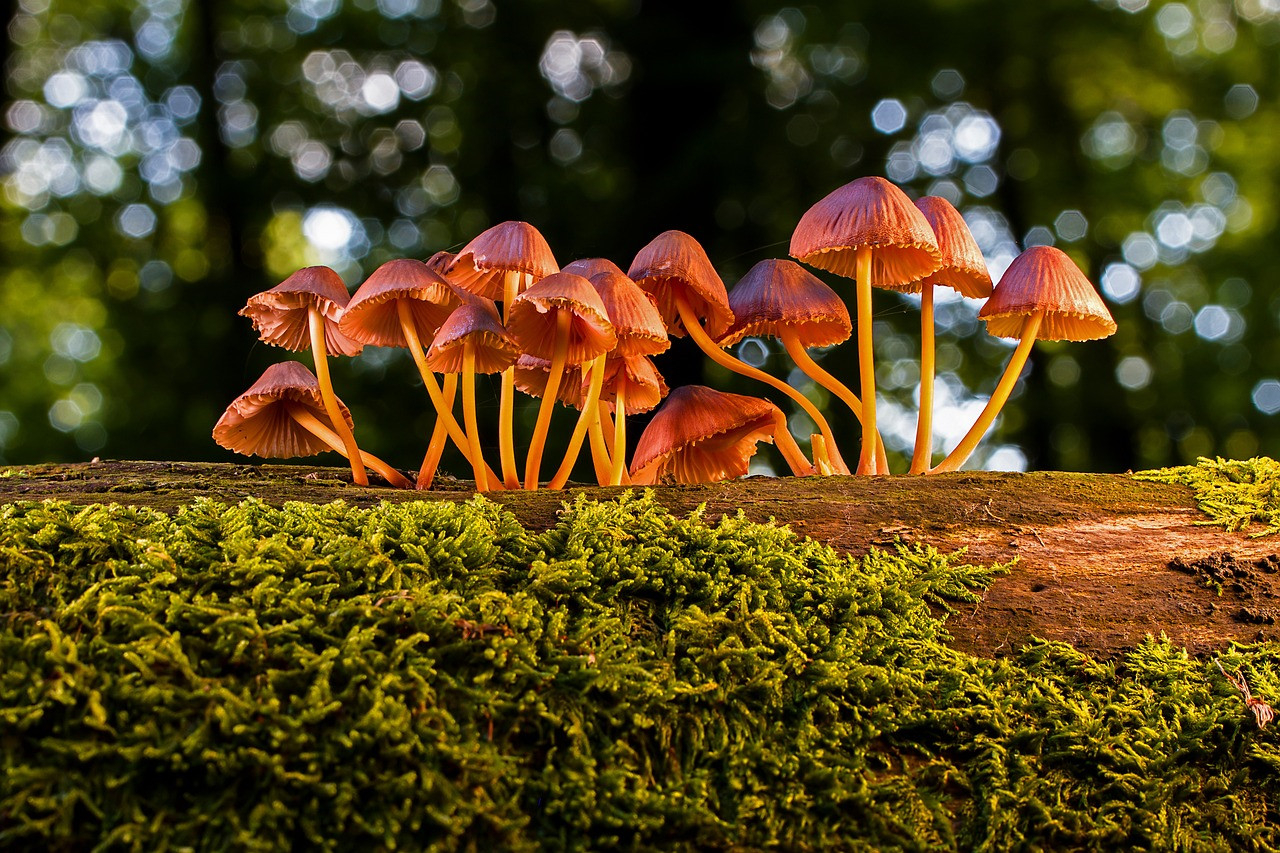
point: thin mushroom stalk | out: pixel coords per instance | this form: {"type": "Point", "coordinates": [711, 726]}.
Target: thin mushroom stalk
{"type": "Point", "coordinates": [439, 436]}
{"type": "Point", "coordinates": [320, 355]}
{"type": "Point", "coordinates": [724, 359]}
{"type": "Point", "coordinates": [619, 435]}
{"type": "Point", "coordinates": [590, 413]}
{"type": "Point", "coordinates": [818, 374]}
{"type": "Point", "coordinates": [866, 362]}
{"type": "Point", "coordinates": [445, 413]}
{"type": "Point", "coordinates": [791, 451]}
{"type": "Point", "coordinates": [601, 458]}
{"type": "Point", "coordinates": [313, 425]}
{"type": "Point", "coordinates": [957, 457]}
{"type": "Point", "coordinates": [533, 461]}
{"type": "Point", "coordinates": [506, 404]}
{"type": "Point", "coordinates": [922, 456]}
{"type": "Point", "coordinates": [469, 414]}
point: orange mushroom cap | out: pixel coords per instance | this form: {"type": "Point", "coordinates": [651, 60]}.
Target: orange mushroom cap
{"type": "Point", "coordinates": [281, 315]}
{"type": "Point", "coordinates": [475, 320]}
{"type": "Point", "coordinates": [589, 268]}
{"type": "Point", "coordinates": [372, 318]}
{"type": "Point", "coordinates": [635, 319]}
{"type": "Point", "coordinates": [531, 318]}
{"type": "Point", "coordinates": [701, 435]}
{"type": "Point", "coordinates": [869, 212]}
{"type": "Point", "coordinates": [675, 262]}
{"type": "Point", "coordinates": [491, 254]}
{"type": "Point", "coordinates": [645, 385]}
{"type": "Point", "coordinates": [963, 267]}
{"type": "Point", "coordinates": [257, 422]}
{"type": "Point", "coordinates": [776, 293]}
{"type": "Point", "coordinates": [440, 262]}
{"type": "Point", "coordinates": [1044, 278]}
{"type": "Point", "coordinates": [532, 374]}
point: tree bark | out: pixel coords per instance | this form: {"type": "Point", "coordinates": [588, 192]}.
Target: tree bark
{"type": "Point", "coordinates": [1102, 560]}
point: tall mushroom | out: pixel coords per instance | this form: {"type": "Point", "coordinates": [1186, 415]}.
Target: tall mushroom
{"type": "Point", "coordinates": [498, 264]}
{"type": "Point", "coordinates": [701, 435]}
{"type": "Point", "coordinates": [402, 304]}
{"type": "Point", "coordinates": [1042, 295]}
{"type": "Point", "coordinates": [303, 312]}
{"type": "Point", "coordinates": [563, 320]}
{"type": "Point", "coordinates": [870, 231]}
{"type": "Point", "coordinates": [965, 271]}
{"type": "Point", "coordinates": [283, 415]}
{"type": "Point", "coordinates": [691, 298]}
{"type": "Point", "coordinates": [472, 340]}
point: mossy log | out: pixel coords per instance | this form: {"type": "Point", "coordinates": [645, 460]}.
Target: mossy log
{"type": "Point", "coordinates": [1103, 560]}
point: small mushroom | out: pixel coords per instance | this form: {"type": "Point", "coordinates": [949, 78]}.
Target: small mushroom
{"type": "Point", "coordinates": [965, 271]}
{"type": "Point", "coordinates": [562, 319]}
{"type": "Point", "coordinates": [691, 298]}
{"type": "Point", "coordinates": [472, 340]}
{"type": "Point", "coordinates": [303, 312]}
{"type": "Point", "coordinates": [870, 231]}
{"type": "Point", "coordinates": [498, 264]}
{"type": "Point", "coordinates": [283, 415]}
{"type": "Point", "coordinates": [1042, 295]}
{"type": "Point", "coordinates": [701, 435]}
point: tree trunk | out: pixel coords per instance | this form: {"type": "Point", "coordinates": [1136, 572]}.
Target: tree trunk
{"type": "Point", "coordinates": [1102, 560]}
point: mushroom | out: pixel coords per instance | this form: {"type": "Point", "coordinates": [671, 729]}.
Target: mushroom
{"type": "Point", "coordinates": [562, 319]}
{"type": "Point", "coordinates": [965, 271]}
{"type": "Point", "coordinates": [631, 385]}
{"type": "Point", "coordinates": [701, 435]}
{"type": "Point", "coordinates": [779, 298]}
{"type": "Point", "coordinates": [303, 312]}
{"type": "Point", "coordinates": [284, 414]}
{"type": "Point", "coordinates": [589, 268]}
{"type": "Point", "coordinates": [498, 264]}
{"type": "Point", "coordinates": [401, 304]}
{"type": "Point", "coordinates": [532, 374]}
{"type": "Point", "coordinates": [1042, 295]}
{"type": "Point", "coordinates": [640, 333]}
{"type": "Point", "coordinates": [870, 231]}
{"type": "Point", "coordinates": [472, 340]}
{"type": "Point", "coordinates": [675, 271]}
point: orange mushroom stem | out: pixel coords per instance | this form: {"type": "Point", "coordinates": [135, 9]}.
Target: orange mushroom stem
{"type": "Point", "coordinates": [590, 414]}
{"type": "Point", "coordinates": [866, 363]}
{"type": "Point", "coordinates": [320, 355]}
{"type": "Point", "coordinates": [313, 425]}
{"type": "Point", "coordinates": [443, 410]}
{"type": "Point", "coordinates": [922, 456]}
{"type": "Point", "coordinates": [533, 461]}
{"type": "Point", "coordinates": [512, 284]}
{"type": "Point", "coordinates": [724, 359]}
{"type": "Point", "coordinates": [957, 457]}
{"type": "Point", "coordinates": [619, 436]}
{"type": "Point", "coordinates": [439, 436]}
{"type": "Point", "coordinates": [478, 465]}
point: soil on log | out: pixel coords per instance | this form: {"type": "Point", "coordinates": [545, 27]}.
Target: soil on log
{"type": "Point", "coordinates": [1102, 559]}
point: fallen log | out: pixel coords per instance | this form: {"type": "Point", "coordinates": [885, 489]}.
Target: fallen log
{"type": "Point", "coordinates": [1102, 560]}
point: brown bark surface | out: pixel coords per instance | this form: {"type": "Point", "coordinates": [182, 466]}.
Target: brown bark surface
{"type": "Point", "coordinates": [1102, 559]}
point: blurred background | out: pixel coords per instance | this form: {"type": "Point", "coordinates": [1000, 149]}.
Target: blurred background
{"type": "Point", "coordinates": [162, 160]}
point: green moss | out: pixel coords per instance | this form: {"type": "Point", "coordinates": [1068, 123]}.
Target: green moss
{"type": "Point", "coordinates": [1235, 494]}
{"type": "Point", "coordinates": [436, 676]}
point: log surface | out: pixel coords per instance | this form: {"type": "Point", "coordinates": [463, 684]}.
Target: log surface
{"type": "Point", "coordinates": [1102, 559]}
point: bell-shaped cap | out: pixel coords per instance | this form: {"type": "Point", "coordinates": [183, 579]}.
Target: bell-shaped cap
{"type": "Point", "coordinates": [874, 213]}
{"type": "Point", "coordinates": [281, 315]}
{"type": "Point", "coordinates": [532, 373]}
{"type": "Point", "coordinates": [257, 423]}
{"type": "Point", "coordinates": [476, 321]}
{"type": "Point", "coordinates": [1044, 279]}
{"type": "Point", "coordinates": [645, 385]}
{"type": "Point", "coordinates": [372, 317]}
{"type": "Point", "coordinates": [635, 320]}
{"type": "Point", "coordinates": [701, 435]}
{"type": "Point", "coordinates": [675, 263]}
{"type": "Point", "coordinates": [589, 268]}
{"type": "Point", "coordinates": [779, 293]}
{"type": "Point", "coordinates": [531, 318]}
{"type": "Point", "coordinates": [515, 247]}
{"type": "Point", "coordinates": [963, 267]}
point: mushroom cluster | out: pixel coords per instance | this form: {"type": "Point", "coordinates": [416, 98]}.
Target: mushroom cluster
{"type": "Point", "coordinates": [586, 336]}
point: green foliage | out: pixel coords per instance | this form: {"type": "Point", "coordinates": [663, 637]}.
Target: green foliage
{"type": "Point", "coordinates": [1233, 493]}
{"type": "Point", "coordinates": [432, 675]}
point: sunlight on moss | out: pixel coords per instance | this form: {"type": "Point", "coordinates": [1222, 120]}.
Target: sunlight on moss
{"type": "Point", "coordinates": [1233, 493]}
